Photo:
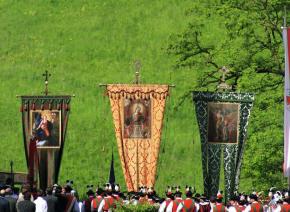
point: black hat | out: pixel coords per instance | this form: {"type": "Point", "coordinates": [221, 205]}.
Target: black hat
{"type": "Point", "coordinates": [68, 186]}
{"type": "Point", "coordinates": [253, 196]}
{"type": "Point", "coordinates": [90, 190]}
{"type": "Point", "coordinates": [234, 198]}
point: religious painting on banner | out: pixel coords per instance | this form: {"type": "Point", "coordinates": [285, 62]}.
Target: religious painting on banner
{"type": "Point", "coordinates": [137, 119]}
{"type": "Point", "coordinates": [46, 127]}
{"type": "Point", "coordinates": [223, 122]}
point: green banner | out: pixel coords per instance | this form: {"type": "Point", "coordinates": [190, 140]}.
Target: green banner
{"type": "Point", "coordinates": [223, 120]}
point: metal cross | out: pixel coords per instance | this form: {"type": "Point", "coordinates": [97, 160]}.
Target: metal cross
{"type": "Point", "coordinates": [138, 66]}
{"type": "Point", "coordinates": [46, 75]}
{"type": "Point", "coordinates": [223, 85]}
{"type": "Point", "coordinates": [224, 71]}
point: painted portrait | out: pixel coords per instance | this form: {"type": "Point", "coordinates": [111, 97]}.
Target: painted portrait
{"type": "Point", "coordinates": [137, 118]}
{"type": "Point", "coordinates": [223, 122]}
{"type": "Point", "coordinates": [46, 127]}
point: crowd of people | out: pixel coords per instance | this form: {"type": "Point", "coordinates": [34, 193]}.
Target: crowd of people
{"type": "Point", "coordinates": [109, 197]}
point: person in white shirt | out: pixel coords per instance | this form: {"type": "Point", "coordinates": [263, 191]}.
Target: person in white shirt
{"type": "Point", "coordinates": [253, 200]}
{"type": "Point", "coordinates": [173, 205]}
{"type": "Point", "coordinates": [169, 198]}
{"type": "Point", "coordinates": [40, 203]}
{"type": "Point", "coordinates": [233, 204]}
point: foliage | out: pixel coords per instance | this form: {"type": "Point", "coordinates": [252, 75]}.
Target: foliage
{"type": "Point", "coordinates": [140, 208]}
{"type": "Point", "coordinates": [244, 36]}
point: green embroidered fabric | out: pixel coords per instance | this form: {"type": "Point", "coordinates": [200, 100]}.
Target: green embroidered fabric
{"type": "Point", "coordinates": [212, 152]}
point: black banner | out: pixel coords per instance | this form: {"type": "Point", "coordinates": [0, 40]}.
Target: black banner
{"type": "Point", "coordinates": [44, 123]}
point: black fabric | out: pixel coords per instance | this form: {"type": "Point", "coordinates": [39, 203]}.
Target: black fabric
{"type": "Point", "coordinates": [26, 206]}
{"type": "Point", "coordinates": [12, 203]}
{"type": "Point", "coordinates": [61, 203]}
{"type": "Point", "coordinates": [4, 205]}
{"type": "Point", "coordinates": [52, 202]}
{"type": "Point", "coordinates": [112, 171]}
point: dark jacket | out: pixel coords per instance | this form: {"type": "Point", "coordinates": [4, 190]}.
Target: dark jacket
{"type": "Point", "coordinates": [51, 203]}
{"type": "Point", "coordinates": [12, 203]}
{"type": "Point", "coordinates": [26, 206]}
{"type": "Point", "coordinates": [4, 205]}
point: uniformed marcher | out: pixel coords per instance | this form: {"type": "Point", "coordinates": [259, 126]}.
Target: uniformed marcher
{"type": "Point", "coordinates": [187, 205]}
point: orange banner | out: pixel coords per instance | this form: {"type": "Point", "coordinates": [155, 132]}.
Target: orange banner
{"type": "Point", "coordinates": [138, 113]}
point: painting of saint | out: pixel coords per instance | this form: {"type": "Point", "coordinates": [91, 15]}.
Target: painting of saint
{"type": "Point", "coordinates": [137, 119]}
{"type": "Point", "coordinates": [45, 127]}
{"type": "Point", "coordinates": [223, 122]}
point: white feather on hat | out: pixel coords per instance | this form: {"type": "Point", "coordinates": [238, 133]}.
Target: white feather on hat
{"type": "Point", "coordinates": [117, 187]}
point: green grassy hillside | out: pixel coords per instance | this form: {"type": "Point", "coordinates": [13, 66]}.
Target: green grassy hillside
{"type": "Point", "coordinates": [83, 43]}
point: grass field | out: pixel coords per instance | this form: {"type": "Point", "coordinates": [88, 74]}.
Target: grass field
{"type": "Point", "coordinates": [83, 43]}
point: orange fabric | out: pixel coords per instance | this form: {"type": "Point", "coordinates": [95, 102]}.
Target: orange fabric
{"type": "Point", "coordinates": [285, 208]}
{"type": "Point", "coordinates": [109, 203]}
{"type": "Point", "coordinates": [256, 207]}
{"type": "Point", "coordinates": [188, 205]}
{"type": "Point", "coordinates": [97, 201]}
{"type": "Point", "coordinates": [176, 202]}
{"type": "Point", "coordinates": [138, 156]}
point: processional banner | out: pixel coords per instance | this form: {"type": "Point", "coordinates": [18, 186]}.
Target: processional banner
{"type": "Point", "coordinates": [44, 123]}
{"type": "Point", "coordinates": [138, 113]}
{"type": "Point", "coordinates": [223, 120]}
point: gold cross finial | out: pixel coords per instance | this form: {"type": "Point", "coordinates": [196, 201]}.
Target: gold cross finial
{"type": "Point", "coordinates": [138, 66]}
{"type": "Point", "coordinates": [46, 75]}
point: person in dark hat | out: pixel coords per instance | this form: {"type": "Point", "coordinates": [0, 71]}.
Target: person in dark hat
{"type": "Point", "coordinates": [108, 203]}
{"type": "Point", "coordinates": [151, 195]}
{"type": "Point", "coordinates": [219, 206]}
{"type": "Point", "coordinates": [117, 193]}
{"type": "Point", "coordinates": [61, 198]}
{"type": "Point", "coordinates": [90, 196]}
{"type": "Point", "coordinates": [254, 204]}
{"type": "Point", "coordinates": [241, 205]}
{"type": "Point", "coordinates": [204, 204]}
{"type": "Point", "coordinates": [173, 205]}
{"type": "Point", "coordinates": [71, 199]}
{"type": "Point", "coordinates": [26, 205]}
{"type": "Point", "coordinates": [233, 204]}
{"type": "Point", "coordinates": [97, 200]}
{"type": "Point", "coordinates": [187, 205]}
{"type": "Point", "coordinates": [169, 198]}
